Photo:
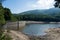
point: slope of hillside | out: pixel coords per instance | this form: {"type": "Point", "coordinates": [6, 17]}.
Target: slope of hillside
{"type": "Point", "coordinates": [47, 11]}
{"type": "Point", "coordinates": [47, 15]}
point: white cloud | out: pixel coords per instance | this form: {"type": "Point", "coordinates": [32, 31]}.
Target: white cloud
{"type": "Point", "coordinates": [39, 4]}
{"type": "Point", "coordinates": [43, 4]}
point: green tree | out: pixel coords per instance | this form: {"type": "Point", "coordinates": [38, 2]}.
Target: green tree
{"type": "Point", "coordinates": [2, 20]}
{"type": "Point", "coordinates": [7, 14]}
{"type": "Point", "coordinates": [3, 36]}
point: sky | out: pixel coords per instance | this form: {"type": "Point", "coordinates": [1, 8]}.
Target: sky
{"type": "Point", "coordinates": [18, 6]}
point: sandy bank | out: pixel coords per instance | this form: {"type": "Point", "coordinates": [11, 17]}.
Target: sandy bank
{"type": "Point", "coordinates": [16, 35]}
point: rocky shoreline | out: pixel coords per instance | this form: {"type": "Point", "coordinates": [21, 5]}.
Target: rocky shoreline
{"type": "Point", "coordinates": [52, 34]}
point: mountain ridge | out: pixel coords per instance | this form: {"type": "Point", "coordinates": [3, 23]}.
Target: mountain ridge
{"type": "Point", "coordinates": [38, 11]}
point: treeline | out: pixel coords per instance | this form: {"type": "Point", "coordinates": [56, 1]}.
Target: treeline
{"type": "Point", "coordinates": [40, 17]}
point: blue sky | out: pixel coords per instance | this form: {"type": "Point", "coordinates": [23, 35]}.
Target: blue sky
{"type": "Point", "coordinates": [17, 6]}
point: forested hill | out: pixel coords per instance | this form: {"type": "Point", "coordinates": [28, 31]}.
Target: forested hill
{"type": "Point", "coordinates": [47, 11]}
{"type": "Point", "coordinates": [41, 15]}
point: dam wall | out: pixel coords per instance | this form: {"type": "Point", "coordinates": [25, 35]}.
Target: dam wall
{"type": "Point", "coordinates": [20, 24]}
{"type": "Point", "coordinates": [14, 25]}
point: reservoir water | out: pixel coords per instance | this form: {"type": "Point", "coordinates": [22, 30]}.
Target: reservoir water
{"type": "Point", "coordinates": [38, 29]}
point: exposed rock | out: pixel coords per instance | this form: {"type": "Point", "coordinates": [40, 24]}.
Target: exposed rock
{"type": "Point", "coordinates": [53, 34]}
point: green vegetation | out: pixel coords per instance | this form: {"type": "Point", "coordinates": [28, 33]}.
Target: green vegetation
{"type": "Point", "coordinates": [8, 15]}
{"type": "Point", "coordinates": [2, 20]}
{"type": "Point", "coordinates": [50, 17]}
{"type": "Point", "coordinates": [5, 15]}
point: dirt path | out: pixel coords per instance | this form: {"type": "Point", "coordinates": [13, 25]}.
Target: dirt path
{"type": "Point", "coordinates": [18, 35]}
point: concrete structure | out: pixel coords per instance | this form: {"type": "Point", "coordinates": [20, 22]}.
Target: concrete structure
{"type": "Point", "coordinates": [14, 25]}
